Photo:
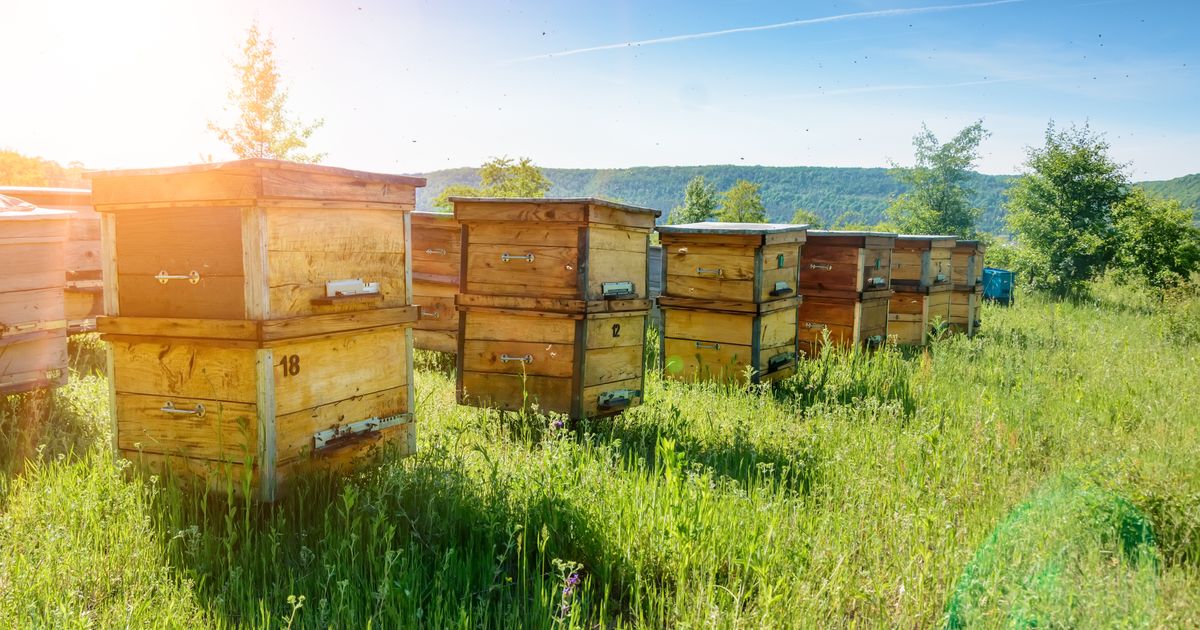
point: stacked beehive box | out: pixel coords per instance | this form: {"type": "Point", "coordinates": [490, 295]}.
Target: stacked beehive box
{"type": "Point", "coordinates": [730, 300]}
{"type": "Point", "coordinates": [846, 285]}
{"type": "Point", "coordinates": [84, 289]}
{"type": "Point", "coordinates": [967, 293]}
{"type": "Point", "coordinates": [436, 266]}
{"type": "Point", "coordinates": [553, 304]}
{"type": "Point", "coordinates": [921, 283]}
{"type": "Point", "coordinates": [258, 316]}
{"type": "Point", "coordinates": [33, 341]}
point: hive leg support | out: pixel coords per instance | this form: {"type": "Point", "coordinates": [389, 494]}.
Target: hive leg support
{"type": "Point", "coordinates": [265, 366]}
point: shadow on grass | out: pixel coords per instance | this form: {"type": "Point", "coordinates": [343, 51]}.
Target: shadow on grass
{"type": "Point", "coordinates": [403, 543]}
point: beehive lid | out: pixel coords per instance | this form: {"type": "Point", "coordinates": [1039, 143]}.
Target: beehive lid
{"type": "Point", "coordinates": [926, 241]}
{"type": "Point", "coordinates": [13, 209]}
{"type": "Point", "coordinates": [546, 201]}
{"type": "Point", "coordinates": [244, 181]}
{"type": "Point", "coordinates": [49, 197]}
{"type": "Point", "coordinates": [969, 245]}
{"type": "Point", "coordinates": [746, 233]}
{"type": "Point", "coordinates": [851, 233]}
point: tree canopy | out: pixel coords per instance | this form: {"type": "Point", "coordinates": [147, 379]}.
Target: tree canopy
{"type": "Point", "coordinates": [742, 204]}
{"type": "Point", "coordinates": [500, 177]}
{"type": "Point", "coordinates": [263, 128]}
{"type": "Point", "coordinates": [939, 195]}
{"type": "Point", "coordinates": [1061, 209]}
{"type": "Point", "coordinates": [807, 217]}
{"type": "Point", "coordinates": [699, 203]}
{"type": "Point", "coordinates": [1156, 242]}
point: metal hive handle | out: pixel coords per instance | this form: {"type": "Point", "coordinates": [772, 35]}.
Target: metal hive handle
{"type": "Point", "coordinates": [170, 408]}
{"type": "Point", "coordinates": [192, 277]}
{"type": "Point", "coordinates": [709, 346]}
{"type": "Point", "coordinates": [814, 325]}
{"type": "Point", "coordinates": [430, 315]}
{"type": "Point", "coordinates": [700, 271]}
{"type": "Point", "coordinates": [436, 251]}
{"type": "Point", "coordinates": [504, 358]}
{"type": "Point", "coordinates": [505, 257]}
{"type": "Point", "coordinates": [823, 267]}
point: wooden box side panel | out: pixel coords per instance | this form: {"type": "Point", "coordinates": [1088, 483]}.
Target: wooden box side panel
{"type": "Point", "coordinates": [438, 312]}
{"type": "Point", "coordinates": [228, 431]}
{"type": "Point", "coordinates": [33, 360]}
{"type": "Point", "coordinates": [30, 310]}
{"type": "Point", "coordinates": [780, 269]}
{"type": "Point", "coordinates": [436, 340]}
{"type": "Point", "coordinates": [689, 359]}
{"type": "Point", "coordinates": [179, 241]}
{"type": "Point", "coordinates": [522, 270]}
{"type": "Point", "coordinates": [540, 365]}
{"type": "Point", "coordinates": [29, 266]}
{"type": "Point", "coordinates": [614, 349]}
{"type": "Point", "coordinates": [876, 268]}
{"type": "Point", "coordinates": [307, 247]}
{"type": "Point", "coordinates": [467, 211]}
{"type": "Point", "coordinates": [710, 326]}
{"type": "Point", "coordinates": [436, 251]}
{"type": "Point", "coordinates": [872, 320]}
{"type": "Point", "coordinates": [941, 268]}
{"type": "Point", "coordinates": [294, 432]}
{"type": "Point", "coordinates": [907, 333]}
{"type": "Point", "coordinates": [176, 369]}
{"type": "Point", "coordinates": [830, 267]}
{"type": "Point", "coordinates": [710, 272]}
{"type": "Point", "coordinates": [314, 372]}
{"type": "Point", "coordinates": [908, 266]}
{"type": "Point", "coordinates": [617, 255]}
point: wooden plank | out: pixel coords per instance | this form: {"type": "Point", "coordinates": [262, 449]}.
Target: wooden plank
{"type": "Point", "coordinates": [185, 370]}
{"type": "Point", "coordinates": [669, 241]}
{"type": "Point", "coordinates": [217, 476]}
{"type": "Point", "coordinates": [708, 288]}
{"type": "Point", "coordinates": [613, 332]}
{"type": "Point", "coordinates": [689, 359]}
{"type": "Point", "coordinates": [470, 211]}
{"type": "Point", "coordinates": [108, 264]}
{"type": "Point", "coordinates": [544, 359]}
{"type": "Point", "coordinates": [213, 297]}
{"type": "Point", "coordinates": [178, 327]}
{"type": "Point", "coordinates": [18, 309]}
{"type": "Point", "coordinates": [612, 364]}
{"type": "Point", "coordinates": [227, 431]}
{"type": "Point", "coordinates": [315, 372]}
{"type": "Point", "coordinates": [488, 326]}
{"type": "Point", "coordinates": [330, 323]}
{"type": "Point", "coordinates": [724, 328]}
{"type": "Point", "coordinates": [344, 230]}
{"type": "Point", "coordinates": [513, 234]}
{"type": "Point", "coordinates": [605, 265]}
{"type": "Point", "coordinates": [178, 240]}
{"type": "Point", "coordinates": [294, 431]}
{"type": "Point", "coordinates": [514, 392]}
{"type": "Point", "coordinates": [293, 184]}
{"type": "Point", "coordinates": [108, 189]}
{"type": "Point", "coordinates": [31, 266]}
{"type": "Point", "coordinates": [617, 216]}
{"type": "Point", "coordinates": [436, 340]}
{"type": "Point", "coordinates": [693, 264]}
{"type": "Point", "coordinates": [437, 313]}
{"type": "Point", "coordinates": [778, 328]}
{"type": "Point", "coordinates": [295, 279]}
{"type": "Point", "coordinates": [553, 271]}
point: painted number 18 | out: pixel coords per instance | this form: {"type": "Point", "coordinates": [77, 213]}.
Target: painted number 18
{"type": "Point", "coordinates": [290, 364]}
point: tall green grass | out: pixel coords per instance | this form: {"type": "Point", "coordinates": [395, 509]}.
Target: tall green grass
{"type": "Point", "coordinates": [854, 494]}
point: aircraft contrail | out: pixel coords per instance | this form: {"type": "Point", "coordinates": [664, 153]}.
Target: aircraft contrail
{"type": "Point", "coordinates": [767, 27]}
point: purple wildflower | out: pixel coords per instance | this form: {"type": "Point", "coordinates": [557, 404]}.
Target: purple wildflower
{"type": "Point", "coordinates": [558, 424]}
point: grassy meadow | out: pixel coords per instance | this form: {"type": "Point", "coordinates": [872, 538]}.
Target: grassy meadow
{"type": "Point", "coordinates": [1046, 472]}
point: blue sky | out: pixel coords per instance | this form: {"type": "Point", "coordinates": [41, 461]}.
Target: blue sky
{"type": "Point", "coordinates": [412, 86]}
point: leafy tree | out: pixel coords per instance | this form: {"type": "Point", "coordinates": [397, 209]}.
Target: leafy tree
{"type": "Point", "coordinates": [263, 128]}
{"type": "Point", "coordinates": [500, 177]}
{"type": "Point", "coordinates": [699, 203]}
{"type": "Point", "coordinates": [742, 204]}
{"type": "Point", "coordinates": [23, 170]}
{"type": "Point", "coordinates": [802, 216]}
{"type": "Point", "coordinates": [1156, 242]}
{"type": "Point", "coordinates": [938, 199]}
{"type": "Point", "coordinates": [1061, 209]}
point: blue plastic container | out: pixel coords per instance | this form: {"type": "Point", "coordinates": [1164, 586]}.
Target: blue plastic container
{"type": "Point", "coordinates": [998, 285]}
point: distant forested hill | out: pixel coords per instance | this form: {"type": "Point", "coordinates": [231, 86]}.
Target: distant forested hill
{"type": "Point", "coordinates": [1186, 189]}
{"type": "Point", "coordinates": [855, 195]}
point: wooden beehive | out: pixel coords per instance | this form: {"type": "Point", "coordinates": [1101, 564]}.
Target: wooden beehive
{"type": "Point", "coordinates": [729, 342]}
{"type": "Point", "coordinates": [84, 289]}
{"type": "Point", "coordinates": [252, 239]}
{"type": "Point", "coordinates": [553, 304]}
{"type": "Point", "coordinates": [731, 262]}
{"type": "Point", "coordinates": [562, 255]}
{"type": "Point", "coordinates": [845, 281]}
{"type": "Point", "coordinates": [583, 365]}
{"type": "Point", "coordinates": [967, 293]}
{"type": "Point", "coordinates": [922, 262]}
{"type": "Point", "coordinates": [436, 267]}
{"type": "Point", "coordinates": [729, 300]}
{"type": "Point", "coordinates": [922, 274]}
{"type": "Point", "coordinates": [260, 401]}
{"type": "Point", "coordinates": [275, 295]}
{"type": "Point", "coordinates": [33, 343]}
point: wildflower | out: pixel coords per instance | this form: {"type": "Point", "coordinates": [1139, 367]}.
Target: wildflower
{"type": "Point", "coordinates": [558, 424]}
